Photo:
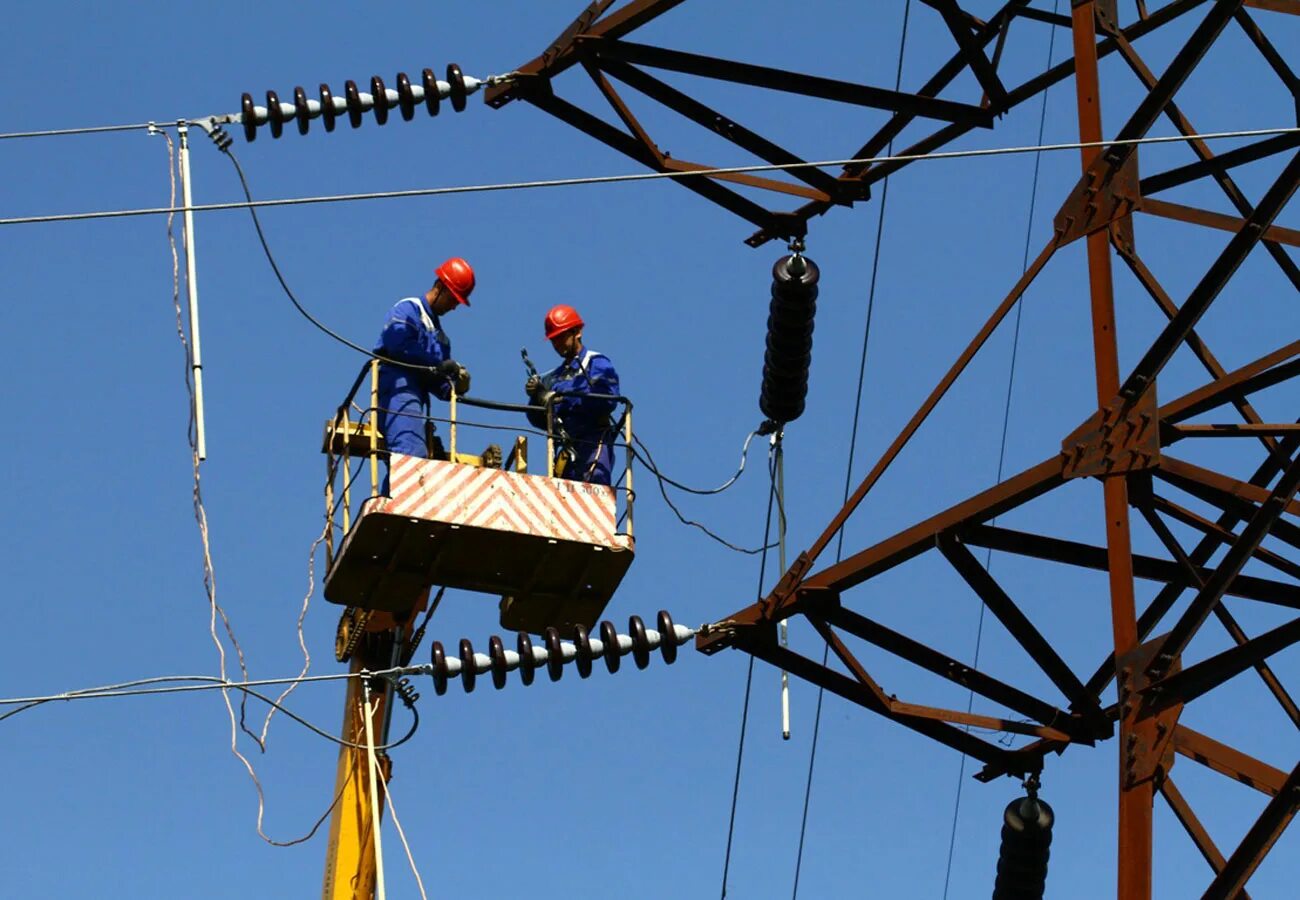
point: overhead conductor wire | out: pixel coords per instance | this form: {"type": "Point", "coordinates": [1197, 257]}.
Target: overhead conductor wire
{"type": "Point", "coordinates": [1002, 449]}
{"type": "Point", "coordinates": [853, 442]}
{"type": "Point", "coordinates": [749, 678]}
{"type": "Point", "coordinates": [652, 176]}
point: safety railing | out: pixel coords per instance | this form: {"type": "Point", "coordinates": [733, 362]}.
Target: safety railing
{"type": "Point", "coordinates": [353, 444]}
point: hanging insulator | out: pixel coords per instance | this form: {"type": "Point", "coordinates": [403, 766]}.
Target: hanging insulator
{"type": "Point", "coordinates": [1026, 841]}
{"type": "Point", "coordinates": [789, 338]}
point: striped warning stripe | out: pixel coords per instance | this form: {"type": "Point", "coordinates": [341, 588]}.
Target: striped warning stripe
{"type": "Point", "coordinates": [506, 501]}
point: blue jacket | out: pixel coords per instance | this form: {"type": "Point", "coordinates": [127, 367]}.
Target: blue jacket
{"type": "Point", "coordinates": [412, 334]}
{"type": "Point", "coordinates": [583, 418]}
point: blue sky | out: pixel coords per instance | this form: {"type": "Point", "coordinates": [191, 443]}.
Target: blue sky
{"type": "Point", "coordinates": [615, 785]}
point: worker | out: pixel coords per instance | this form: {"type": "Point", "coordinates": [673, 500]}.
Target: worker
{"type": "Point", "coordinates": [413, 334]}
{"type": "Point", "coordinates": [584, 423]}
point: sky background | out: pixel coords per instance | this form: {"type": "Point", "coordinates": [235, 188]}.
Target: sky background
{"type": "Point", "coordinates": [613, 786]}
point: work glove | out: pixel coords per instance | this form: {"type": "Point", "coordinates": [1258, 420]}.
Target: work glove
{"type": "Point", "coordinates": [456, 375]}
{"type": "Point", "coordinates": [533, 386]}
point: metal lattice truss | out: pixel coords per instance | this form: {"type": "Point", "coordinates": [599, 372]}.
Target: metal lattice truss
{"type": "Point", "coordinates": [1126, 445]}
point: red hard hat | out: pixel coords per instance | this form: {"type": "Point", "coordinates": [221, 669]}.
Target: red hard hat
{"type": "Point", "coordinates": [457, 276]}
{"type": "Point", "coordinates": [560, 319]}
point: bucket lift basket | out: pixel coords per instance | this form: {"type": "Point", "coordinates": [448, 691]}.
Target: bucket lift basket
{"type": "Point", "coordinates": [550, 548]}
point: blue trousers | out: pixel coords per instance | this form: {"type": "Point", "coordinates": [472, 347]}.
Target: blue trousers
{"type": "Point", "coordinates": [401, 422]}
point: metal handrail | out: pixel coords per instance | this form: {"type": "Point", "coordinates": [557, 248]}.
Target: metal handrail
{"type": "Point", "coordinates": [342, 424]}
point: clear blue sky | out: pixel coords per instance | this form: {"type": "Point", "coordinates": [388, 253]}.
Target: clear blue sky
{"type": "Point", "coordinates": [615, 785]}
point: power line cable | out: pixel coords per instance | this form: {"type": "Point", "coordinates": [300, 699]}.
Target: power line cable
{"type": "Point", "coordinates": [853, 442]}
{"type": "Point", "coordinates": [749, 682]}
{"type": "Point", "coordinates": [93, 129]}
{"type": "Point", "coordinates": [648, 176]}
{"type": "Point", "coordinates": [1002, 449]}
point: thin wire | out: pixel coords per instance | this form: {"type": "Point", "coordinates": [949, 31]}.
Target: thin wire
{"type": "Point", "coordinates": [749, 681]}
{"type": "Point", "coordinates": [647, 176]}
{"type": "Point", "coordinates": [302, 642]}
{"type": "Point", "coordinates": [401, 833]}
{"type": "Point", "coordinates": [848, 469]}
{"type": "Point", "coordinates": [213, 683]}
{"type": "Point", "coordinates": [204, 683]}
{"type": "Point", "coordinates": [648, 462]}
{"type": "Point", "coordinates": [98, 129]}
{"type": "Point", "coordinates": [1002, 449]}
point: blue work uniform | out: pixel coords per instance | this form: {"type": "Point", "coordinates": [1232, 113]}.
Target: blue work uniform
{"type": "Point", "coordinates": [588, 422]}
{"type": "Point", "coordinates": [412, 334]}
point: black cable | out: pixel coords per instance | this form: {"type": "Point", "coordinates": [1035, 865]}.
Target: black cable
{"type": "Point", "coordinates": [649, 463]}
{"type": "Point", "coordinates": [1002, 450]}
{"type": "Point", "coordinates": [853, 443]}
{"type": "Point", "coordinates": [221, 139]}
{"type": "Point", "coordinates": [749, 681]}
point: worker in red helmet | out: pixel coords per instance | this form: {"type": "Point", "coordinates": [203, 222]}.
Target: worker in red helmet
{"type": "Point", "coordinates": [586, 420]}
{"type": "Point", "coordinates": [417, 361]}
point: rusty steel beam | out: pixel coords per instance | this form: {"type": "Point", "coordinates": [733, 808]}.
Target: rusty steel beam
{"type": "Point", "coordinates": [1195, 830]}
{"type": "Point", "coordinates": [1149, 568]}
{"type": "Point", "coordinates": [1233, 561]}
{"type": "Point", "coordinates": [1224, 535]}
{"type": "Point", "coordinates": [1190, 683]}
{"type": "Point", "coordinates": [1233, 255]}
{"type": "Point", "coordinates": [1225, 618]}
{"type": "Point", "coordinates": [1015, 621]}
{"type": "Point", "coordinates": [1262, 149]}
{"type": "Point", "coordinates": [786, 81]}
{"type": "Point", "coordinates": [1228, 761]}
{"type": "Point", "coordinates": [1258, 840]}
{"type": "Point", "coordinates": [767, 649]}
{"type": "Point", "coordinates": [1273, 234]}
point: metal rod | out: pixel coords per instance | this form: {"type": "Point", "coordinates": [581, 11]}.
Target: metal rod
{"type": "Point", "coordinates": [192, 288]}
{"type": "Point", "coordinates": [1135, 801]}
{"type": "Point", "coordinates": [374, 428]}
{"type": "Point", "coordinates": [784, 627]}
{"type": "Point", "coordinates": [374, 779]}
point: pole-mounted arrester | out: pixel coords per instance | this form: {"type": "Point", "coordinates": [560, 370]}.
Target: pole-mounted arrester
{"type": "Point", "coordinates": [789, 337]}
{"type": "Point", "coordinates": [1026, 843]}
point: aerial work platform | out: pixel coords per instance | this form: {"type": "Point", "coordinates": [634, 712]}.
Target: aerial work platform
{"type": "Point", "coordinates": [548, 547]}
{"type": "Point", "coordinates": [551, 549]}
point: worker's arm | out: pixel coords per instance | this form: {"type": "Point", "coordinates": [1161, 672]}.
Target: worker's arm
{"type": "Point", "coordinates": [406, 340]}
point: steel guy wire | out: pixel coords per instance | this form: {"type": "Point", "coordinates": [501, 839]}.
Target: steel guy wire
{"type": "Point", "coordinates": [848, 469]}
{"type": "Point", "coordinates": [648, 176]}
{"type": "Point", "coordinates": [1002, 449]}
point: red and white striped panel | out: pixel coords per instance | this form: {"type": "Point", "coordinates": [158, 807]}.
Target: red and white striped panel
{"type": "Point", "coordinates": [506, 501]}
